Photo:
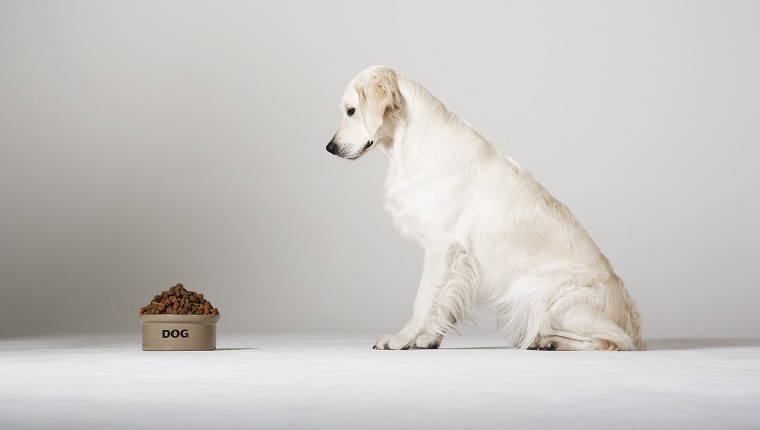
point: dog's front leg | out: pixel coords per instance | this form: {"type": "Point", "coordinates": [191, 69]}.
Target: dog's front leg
{"type": "Point", "coordinates": [416, 333]}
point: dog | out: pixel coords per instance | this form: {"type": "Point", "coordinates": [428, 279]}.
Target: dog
{"type": "Point", "coordinates": [492, 234]}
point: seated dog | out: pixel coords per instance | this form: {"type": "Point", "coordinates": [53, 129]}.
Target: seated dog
{"type": "Point", "coordinates": [492, 234]}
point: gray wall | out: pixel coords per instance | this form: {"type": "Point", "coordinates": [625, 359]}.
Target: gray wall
{"type": "Point", "coordinates": [146, 143]}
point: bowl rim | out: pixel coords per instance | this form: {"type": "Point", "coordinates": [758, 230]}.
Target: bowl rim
{"type": "Point", "coordinates": [159, 317]}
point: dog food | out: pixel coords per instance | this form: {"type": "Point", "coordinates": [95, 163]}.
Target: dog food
{"type": "Point", "coordinates": [179, 301]}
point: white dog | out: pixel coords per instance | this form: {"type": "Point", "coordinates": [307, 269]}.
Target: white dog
{"type": "Point", "coordinates": [492, 234]}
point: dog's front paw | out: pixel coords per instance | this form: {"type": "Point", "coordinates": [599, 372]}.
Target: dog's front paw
{"type": "Point", "coordinates": [427, 341]}
{"type": "Point", "coordinates": [399, 341]}
{"type": "Point", "coordinates": [393, 341]}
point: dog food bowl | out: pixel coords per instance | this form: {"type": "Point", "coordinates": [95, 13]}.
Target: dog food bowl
{"type": "Point", "coordinates": [167, 332]}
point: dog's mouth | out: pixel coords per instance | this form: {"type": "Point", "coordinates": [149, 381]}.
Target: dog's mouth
{"type": "Point", "coordinates": [360, 153]}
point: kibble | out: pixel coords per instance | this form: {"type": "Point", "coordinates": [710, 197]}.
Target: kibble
{"type": "Point", "coordinates": [179, 301]}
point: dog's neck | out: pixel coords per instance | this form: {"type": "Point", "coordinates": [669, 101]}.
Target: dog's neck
{"type": "Point", "coordinates": [420, 124]}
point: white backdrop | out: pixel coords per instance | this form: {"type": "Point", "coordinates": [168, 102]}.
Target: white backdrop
{"type": "Point", "coordinates": [145, 143]}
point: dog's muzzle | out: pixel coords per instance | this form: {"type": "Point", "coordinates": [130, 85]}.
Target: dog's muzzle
{"type": "Point", "coordinates": [332, 148]}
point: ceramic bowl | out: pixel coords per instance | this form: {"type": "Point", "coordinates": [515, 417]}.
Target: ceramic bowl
{"type": "Point", "coordinates": [166, 332]}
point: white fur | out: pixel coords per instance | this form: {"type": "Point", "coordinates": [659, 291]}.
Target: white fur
{"type": "Point", "coordinates": [492, 234]}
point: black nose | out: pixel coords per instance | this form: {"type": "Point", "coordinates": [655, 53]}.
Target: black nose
{"type": "Point", "coordinates": [332, 148]}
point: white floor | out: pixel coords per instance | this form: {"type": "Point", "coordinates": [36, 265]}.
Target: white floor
{"type": "Point", "coordinates": [332, 382]}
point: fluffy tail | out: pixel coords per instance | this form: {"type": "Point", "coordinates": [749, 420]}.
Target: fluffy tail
{"type": "Point", "coordinates": [522, 314]}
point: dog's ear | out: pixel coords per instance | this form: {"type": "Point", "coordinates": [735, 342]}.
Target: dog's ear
{"type": "Point", "coordinates": [378, 98]}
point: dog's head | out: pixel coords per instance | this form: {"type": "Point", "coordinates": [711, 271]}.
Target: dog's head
{"type": "Point", "coordinates": [369, 102]}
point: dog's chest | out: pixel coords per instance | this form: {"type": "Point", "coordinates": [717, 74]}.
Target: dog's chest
{"type": "Point", "coordinates": [407, 215]}
{"type": "Point", "coordinates": [420, 208]}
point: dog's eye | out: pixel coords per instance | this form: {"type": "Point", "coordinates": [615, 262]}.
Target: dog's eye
{"type": "Point", "coordinates": [350, 111]}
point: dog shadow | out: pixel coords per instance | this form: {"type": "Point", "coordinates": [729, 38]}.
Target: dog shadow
{"type": "Point", "coordinates": [234, 349]}
{"type": "Point", "coordinates": [692, 344]}
{"type": "Point", "coordinates": [658, 345]}
{"type": "Point", "coordinates": [466, 348]}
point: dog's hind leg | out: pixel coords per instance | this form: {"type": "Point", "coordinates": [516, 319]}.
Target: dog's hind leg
{"type": "Point", "coordinates": [561, 343]}
{"type": "Point", "coordinates": [447, 287]}
{"type": "Point", "coordinates": [578, 322]}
